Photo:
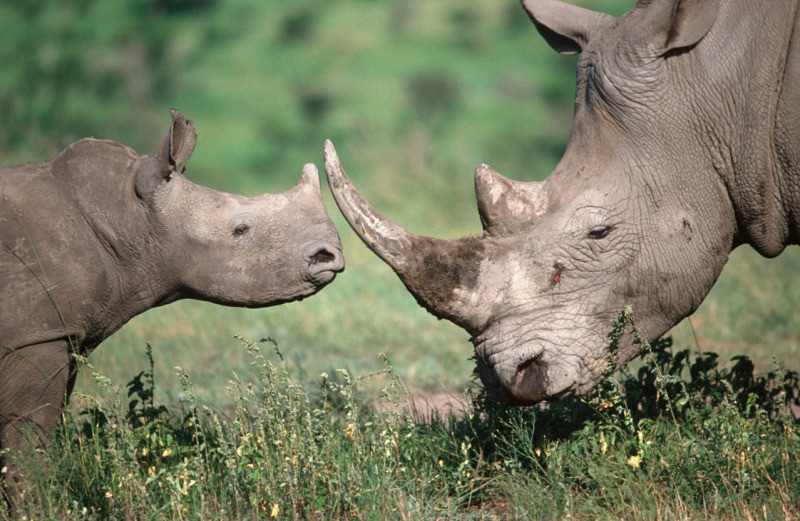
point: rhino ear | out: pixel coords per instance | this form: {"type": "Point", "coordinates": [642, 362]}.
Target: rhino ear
{"type": "Point", "coordinates": [174, 150]}
{"type": "Point", "coordinates": [567, 28]}
{"type": "Point", "coordinates": [170, 155]}
{"type": "Point", "coordinates": [691, 21]}
{"type": "Point", "coordinates": [182, 139]}
{"type": "Point", "coordinates": [677, 24]}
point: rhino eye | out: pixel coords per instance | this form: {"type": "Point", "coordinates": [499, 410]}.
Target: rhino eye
{"type": "Point", "coordinates": [241, 229]}
{"type": "Point", "coordinates": [599, 232]}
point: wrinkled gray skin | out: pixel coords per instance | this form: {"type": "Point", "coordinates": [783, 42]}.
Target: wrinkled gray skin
{"type": "Point", "coordinates": [99, 234]}
{"type": "Point", "coordinates": [685, 144]}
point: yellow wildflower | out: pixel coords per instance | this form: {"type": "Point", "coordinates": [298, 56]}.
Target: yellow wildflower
{"type": "Point", "coordinates": [276, 509]}
{"type": "Point", "coordinates": [634, 461]}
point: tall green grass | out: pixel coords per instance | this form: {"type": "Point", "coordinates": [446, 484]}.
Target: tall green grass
{"type": "Point", "coordinates": [682, 438]}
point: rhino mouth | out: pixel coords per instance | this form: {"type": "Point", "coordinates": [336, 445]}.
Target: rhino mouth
{"type": "Point", "coordinates": [321, 278]}
{"type": "Point", "coordinates": [517, 373]}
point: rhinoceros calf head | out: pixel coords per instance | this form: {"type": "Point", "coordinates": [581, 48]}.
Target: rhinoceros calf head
{"type": "Point", "coordinates": [176, 239]}
{"type": "Point", "coordinates": [650, 197]}
{"type": "Point", "coordinates": [100, 234]}
{"type": "Point", "coordinates": [231, 249]}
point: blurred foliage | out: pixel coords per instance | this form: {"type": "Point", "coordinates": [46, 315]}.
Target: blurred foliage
{"type": "Point", "coordinates": [66, 68]}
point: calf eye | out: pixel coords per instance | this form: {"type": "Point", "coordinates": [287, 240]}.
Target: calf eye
{"type": "Point", "coordinates": [241, 229]}
{"type": "Point", "coordinates": [599, 232]}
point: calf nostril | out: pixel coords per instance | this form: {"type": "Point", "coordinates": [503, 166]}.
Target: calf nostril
{"type": "Point", "coordinates": [322, 257]}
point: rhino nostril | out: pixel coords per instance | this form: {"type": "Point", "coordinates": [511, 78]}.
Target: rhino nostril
{"type": "Point", "coordinates": [524, 366]}
{"type": "Point", "coordinates": [530, 380]}
{"type": "Point", "coordinates": [322, 256]}
{"type": "Point", "coordinates": [324, 261]}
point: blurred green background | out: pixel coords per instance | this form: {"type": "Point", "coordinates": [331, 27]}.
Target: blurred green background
{"type": "Point", "coordinates": [414, 93]}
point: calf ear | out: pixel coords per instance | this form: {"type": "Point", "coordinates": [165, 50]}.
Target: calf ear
{"type": "Point", "coordinates": [182, 139]}
{"type": "Point", "coordinates": [170, 155]}
{"type": "Point", "coordinates": [567, 28]}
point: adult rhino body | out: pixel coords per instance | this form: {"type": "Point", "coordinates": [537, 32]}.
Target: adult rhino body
{"type": "Point", "coordinates": [685, 144]}
{"type": "Point", "coordinates": [99, 234]}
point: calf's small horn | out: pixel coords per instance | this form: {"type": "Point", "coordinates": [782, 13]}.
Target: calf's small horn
{"type": "Point", "coordinates": [309, 180]}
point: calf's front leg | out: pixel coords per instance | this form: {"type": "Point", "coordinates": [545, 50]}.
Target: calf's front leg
{"type": "Point", "coordinates": [34, 382]}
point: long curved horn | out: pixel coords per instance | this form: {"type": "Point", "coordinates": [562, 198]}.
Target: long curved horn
{"type": "Point", "coordinates": [507, 207]}
{"type": "Point", "coordinates": [441, 274]}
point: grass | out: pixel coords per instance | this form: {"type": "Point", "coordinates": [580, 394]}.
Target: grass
{"type": "Point", "coordinates": [681, 438]}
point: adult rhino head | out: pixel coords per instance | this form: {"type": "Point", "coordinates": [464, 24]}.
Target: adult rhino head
{"type": "Point", "coordinates": [683, 146]}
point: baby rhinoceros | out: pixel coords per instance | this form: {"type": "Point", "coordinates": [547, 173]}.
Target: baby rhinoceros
{"type": "Point", "coordinates": [100, 234]}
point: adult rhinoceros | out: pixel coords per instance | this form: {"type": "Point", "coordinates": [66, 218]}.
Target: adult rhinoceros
{"type": "Point", "coordinates": [99, 234]}
{"type": "Point", "coordinates": [685, 144]}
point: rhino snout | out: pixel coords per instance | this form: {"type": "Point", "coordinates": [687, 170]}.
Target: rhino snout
{"type": "Point", "coordinates": [521, 375]}
{"type": "Point", "coordinates": [323, 260]}
{"type": "Point", "coordinates": [529, 382]}
{"type": "Point", "coordinates": [536, 380]}
{"type": "Point", "coordinates": [517, 384]}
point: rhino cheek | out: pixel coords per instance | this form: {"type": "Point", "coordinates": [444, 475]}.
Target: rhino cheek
{"type": "Point", "coordinates": [253, 283]}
